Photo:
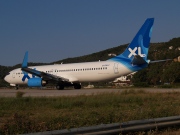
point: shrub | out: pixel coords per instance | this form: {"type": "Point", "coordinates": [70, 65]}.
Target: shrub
{"type": "Point", "coordinates": [19, 94]}
{"type": "Point", "coordinates": [141, 84]}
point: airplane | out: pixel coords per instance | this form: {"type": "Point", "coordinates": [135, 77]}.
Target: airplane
{"type": "Point", "coordinates": [134, 58]}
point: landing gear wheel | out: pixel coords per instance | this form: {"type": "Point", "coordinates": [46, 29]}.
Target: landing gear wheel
{"type": "Point", "coordinates": [59, 87]}
{"type": "Point", "coordinates": [77, 86]}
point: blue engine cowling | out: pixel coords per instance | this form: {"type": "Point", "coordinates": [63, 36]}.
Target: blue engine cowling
{"type": "Point", "coordinates": [35, 82]}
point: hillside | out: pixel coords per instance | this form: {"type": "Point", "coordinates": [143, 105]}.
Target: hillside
{"type": "Point", "coordinates": [164, 72]}
{"type": "Point", "coordinates": [154, 74]}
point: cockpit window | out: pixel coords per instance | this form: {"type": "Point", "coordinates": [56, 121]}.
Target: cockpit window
{"type": "Point", "coordinates": [8, 74]}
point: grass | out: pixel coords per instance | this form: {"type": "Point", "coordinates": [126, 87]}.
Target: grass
{"type": "Point", "coordinates": [30, 114]}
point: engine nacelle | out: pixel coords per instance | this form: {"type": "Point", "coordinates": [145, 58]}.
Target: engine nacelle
{"type": "Point", "coordinates": [36, 82]}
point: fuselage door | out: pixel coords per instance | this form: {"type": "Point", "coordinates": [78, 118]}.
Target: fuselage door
{"type": "Point", "coordinates": [116, 68]}
{"type": "Point", "coordinates": [53, 72]}
{"type": "Point", "coordinates": [13, 74]}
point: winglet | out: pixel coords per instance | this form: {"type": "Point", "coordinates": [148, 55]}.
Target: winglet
{"type": "Point", "coordinates": [25, 60]}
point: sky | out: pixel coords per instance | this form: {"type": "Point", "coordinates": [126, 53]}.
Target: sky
{"type": "Point", "coordinates": [52, 30]}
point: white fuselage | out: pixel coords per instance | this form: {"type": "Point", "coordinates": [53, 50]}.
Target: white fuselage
{"type": "Point", "coordinates": [76, 72]}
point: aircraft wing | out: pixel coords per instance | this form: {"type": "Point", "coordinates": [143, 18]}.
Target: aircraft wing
{"type": "Point", "coordinates": [45, 76]}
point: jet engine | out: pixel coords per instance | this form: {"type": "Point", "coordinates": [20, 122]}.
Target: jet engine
{"type": "Point", "coordinates": [36, 82]}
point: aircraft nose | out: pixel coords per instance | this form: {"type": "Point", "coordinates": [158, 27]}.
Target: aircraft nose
{"type": "Point", "coordinates": [6, 78]}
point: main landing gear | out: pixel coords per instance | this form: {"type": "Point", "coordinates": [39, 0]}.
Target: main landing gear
{"type": "Point", "coordinates": [77, 86]}
{"type": "Point", "coordinates": [61, 86]}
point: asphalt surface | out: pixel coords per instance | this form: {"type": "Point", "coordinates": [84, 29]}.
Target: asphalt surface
{"type": "Point", "coordinates": [72, 92]}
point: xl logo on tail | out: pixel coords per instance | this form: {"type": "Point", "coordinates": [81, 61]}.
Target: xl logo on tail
{"type": "Point", "coordinates": [133, 52]}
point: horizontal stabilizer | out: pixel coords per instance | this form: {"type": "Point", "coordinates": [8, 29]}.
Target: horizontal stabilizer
{"type": "Point", "coordinates": [156, 61]}
{"type": "Point", "coordinates": [138, 60]}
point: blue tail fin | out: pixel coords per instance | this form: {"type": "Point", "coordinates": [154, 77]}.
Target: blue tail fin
{"type": "Point", "coordinates": [140, 43]}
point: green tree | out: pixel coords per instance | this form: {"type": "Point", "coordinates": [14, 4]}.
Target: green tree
{"type": "Point", "coordinates": [171, 73]}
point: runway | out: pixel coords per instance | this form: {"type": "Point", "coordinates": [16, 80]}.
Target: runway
{"type": "Point", "coordinates": [73, 92]}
